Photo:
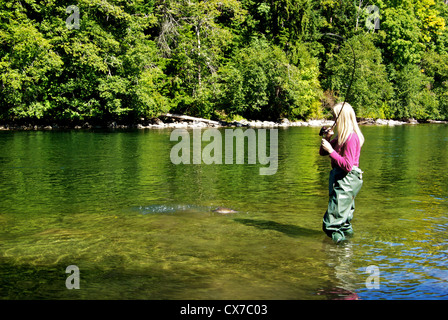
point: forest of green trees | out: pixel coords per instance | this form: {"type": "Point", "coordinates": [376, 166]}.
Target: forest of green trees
{"type": "Point", "coordinates": [221, 59]}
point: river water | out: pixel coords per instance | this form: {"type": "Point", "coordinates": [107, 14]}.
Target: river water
{"type": "Point", "coordinates": [137, 226]}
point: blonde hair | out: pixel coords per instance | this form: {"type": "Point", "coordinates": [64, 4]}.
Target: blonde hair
{"type": "Point", "coordinates": [346, 123]}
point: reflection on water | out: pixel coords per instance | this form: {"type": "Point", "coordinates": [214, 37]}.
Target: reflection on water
{"type": "Point", "coordinates": [139, 227]}
{"type": "Point", "coordinates": [339, 259]}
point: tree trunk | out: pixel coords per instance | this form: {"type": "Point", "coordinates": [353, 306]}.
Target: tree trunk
{"type": "Point", "coordinates": [359, 13]}
{"type": "Point", "coordinates": [198, 26]}
{"type": "Point", "coordinates": [183, 117]}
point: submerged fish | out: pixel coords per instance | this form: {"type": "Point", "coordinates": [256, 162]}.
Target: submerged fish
{"type": "Point", "coordinates": [223, 210]}
{"type": "Point", "coordinates": [172, 209]}
{"type": "Point", "coordinates": [165, 209]}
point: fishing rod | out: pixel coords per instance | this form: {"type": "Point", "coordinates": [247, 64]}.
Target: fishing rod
{"type": "Point", "coordinates": [325, 130]}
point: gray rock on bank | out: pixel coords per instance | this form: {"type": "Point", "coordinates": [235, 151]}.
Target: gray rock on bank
{"type": "Point", "coordinates": [242, 123]}
{"type": "Point", "coordinates": [268, 124]}
{"type": "Point", "coordinates": [383, 122]}
{"type": "Point", "coordinates": [191, 123]}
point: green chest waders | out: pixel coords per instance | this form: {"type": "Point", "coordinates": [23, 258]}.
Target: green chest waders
{"type": "Point", "coordinates": [343, 188]}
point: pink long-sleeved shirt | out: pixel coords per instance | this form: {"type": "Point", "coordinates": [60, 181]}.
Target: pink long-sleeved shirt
{"type": "Point", "coordinates": [345, 156]}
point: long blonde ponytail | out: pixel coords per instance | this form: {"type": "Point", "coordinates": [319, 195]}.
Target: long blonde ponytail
{"type": "Point", "coordinates": [347, 123]}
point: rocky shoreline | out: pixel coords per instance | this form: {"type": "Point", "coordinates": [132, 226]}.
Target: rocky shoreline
{"type": "Point", "coordinates": [191, 123]}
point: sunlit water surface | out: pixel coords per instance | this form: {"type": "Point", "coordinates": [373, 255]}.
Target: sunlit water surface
{"type": "Point", "coordinates": [140, 227]}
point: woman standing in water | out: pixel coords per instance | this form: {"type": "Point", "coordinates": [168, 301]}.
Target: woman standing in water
{"type": "Point", "coordinates": [345, 177]}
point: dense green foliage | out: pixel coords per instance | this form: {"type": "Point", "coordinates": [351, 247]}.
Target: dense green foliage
{"type": "Point", "coordinates": [128, 60]}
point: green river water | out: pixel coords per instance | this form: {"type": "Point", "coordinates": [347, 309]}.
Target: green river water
{"type": "Point", "coordinates": [140, 227]}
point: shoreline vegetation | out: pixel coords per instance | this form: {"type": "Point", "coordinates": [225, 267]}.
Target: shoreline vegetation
{"type": "Point", "coordinates": [110, 63]}
{"type": "Point", "coordinates": [175, 121]}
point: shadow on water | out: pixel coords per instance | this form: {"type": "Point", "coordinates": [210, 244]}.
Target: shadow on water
{"type": "Point", "coordinates": [288, 229]}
